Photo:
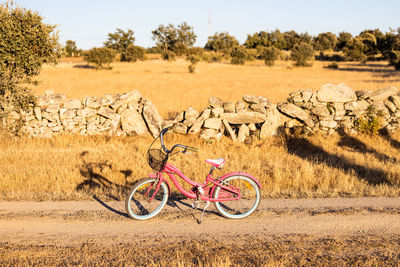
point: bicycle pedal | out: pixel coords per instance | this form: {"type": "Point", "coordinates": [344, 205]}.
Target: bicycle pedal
{"type": "Point", "coordinates": [195, 204]}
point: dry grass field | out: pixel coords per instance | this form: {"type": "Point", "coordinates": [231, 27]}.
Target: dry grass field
{"type": "Point", "coordinates": [171, 87]}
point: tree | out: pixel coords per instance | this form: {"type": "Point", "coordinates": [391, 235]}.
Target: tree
{"type": "Point", "coordinates": [302, 54]}
{"type": "Point", "coordinates": [221, 43]}
{"type": "Point", "coordinates": [238, 55]}
{"type": "Point", "coordinates": [325, 41]}
{"type": "Point", "coordinates": [101, 57]}
{"type": "Point", "coordinates": [270, 54]}
{"type": "Point", "coordinates": [134, 53]}
{"type": "Point", "coordinates": [26, 42]}
{"type": "Point", "coordinates": [174, 39]}
{"type": "Point", "coordinates": [120, 41]}
{"type": "Point", "coordinates": [354, 50]}
{"type": "Point", "coordinates": [258, 39]}
{"type": "Point", "coordinates": [71, 49]}
{"type": "Point", "coordinates": [344, 38]}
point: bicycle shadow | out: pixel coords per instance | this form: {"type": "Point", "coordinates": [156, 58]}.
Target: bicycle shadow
{"type": "Point", "coordinates": [305, 149]}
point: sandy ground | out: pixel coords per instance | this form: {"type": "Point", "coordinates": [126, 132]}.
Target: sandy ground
{"type": "Point", "coordinates": [72, 223]}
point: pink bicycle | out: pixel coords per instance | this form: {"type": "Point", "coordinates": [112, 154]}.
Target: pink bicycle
{"type": "Point", "coordinates": [236, 195]}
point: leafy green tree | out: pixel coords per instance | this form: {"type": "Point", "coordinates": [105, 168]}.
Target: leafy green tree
{"type": "Point", "coordinates": [354, 50]}
{"type": "Point", "coordinates": [71, 49]}
{"type": "Point", "coordinates": [238, 55]}
{"type": "Point", "coordinates": [221, 43]}
{"type": "Point", "coordinates": [134, 53]}
{"type": "Point", "coordinates": [343, 39]}
{"type": "Point", "coordinates": [258, 39]}
{"type": "Point", "coordinates": [174, 39]}
{"type": "Point", "coordinates": [120, 41]}
{"type": "Point", "coordinates": [325, 41]}
{"type": "Point", "coordinates": [270, 54]}
{"type": "Point", "coordinates": [101, 57]}
{"type": "Point", "coordinates": [26, 42]}
{"type": "Point", "coordinates": [302, 54]}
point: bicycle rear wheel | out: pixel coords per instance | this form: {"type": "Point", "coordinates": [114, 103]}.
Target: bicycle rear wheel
{"type": "Point", "coordinates": [137, 203]}
{"type": "Point", "coordinates": [250, 197]}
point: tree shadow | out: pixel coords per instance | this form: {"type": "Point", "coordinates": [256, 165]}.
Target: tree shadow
{"type": "Point", "coordinates": [388, 137]}
{"type": "Point", "coordinates": [83, 66]}
{"type": "Point", "coordinates": [355, 144]}
{"type": "Point", "coordinates": [304, 149]}
{"type": "Point", "coordinates": [97, 184]}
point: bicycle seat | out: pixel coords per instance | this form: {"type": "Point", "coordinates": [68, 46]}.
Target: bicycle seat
{"type": "Point", "coordinates": [217, 163]}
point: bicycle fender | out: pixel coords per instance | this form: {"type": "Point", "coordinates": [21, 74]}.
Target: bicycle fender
{"type": "Point", "coordinates": [236, 174]}
{"type": "Point", "coordinates": [155, 176]}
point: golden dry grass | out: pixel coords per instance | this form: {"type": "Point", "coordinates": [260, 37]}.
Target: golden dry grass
{"type": "Point", "coordinates": [172, 88]}
{"type": "Point", "coordinates": [76, 167]}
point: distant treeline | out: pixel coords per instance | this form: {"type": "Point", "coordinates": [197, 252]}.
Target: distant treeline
{"type": "Point", "coordinates": [172, 41]}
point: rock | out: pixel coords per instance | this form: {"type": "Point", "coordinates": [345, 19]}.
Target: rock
{"type": "Point", "coordinates": [53, 108]}
{"type": "Point", "coordinates": [243, 117]}
{"type": "Point", "coordinates": [390, 106]}
{"type": "Point", "coordinates": [271, 126]}
{"type": "Point", "coordinates": [212, 123]}
{"type": "Point", "coordinates": [180, 117]}
{"type": "Point", "coordinates": [152, 118]}
{"type": "Point", "coordinates": [133, 96]}
{"type": "Point", "coordinates": [256, 99]}
{"type": "Point", "coordinates": [295, 93]}
{"type": "Point", "coordinates": [57, 128]}
{"type": "Point", "coordinates": [43, 101]}
{"type": "Point", "coordinates": [93, 102]}
{"type": "Point", "coordinates": [106, 112]}
{"type": "Point", "coordinates": [306, 95]}
{"type": "Point", "coordinates": [229, 107]}
{"type": "Point", "coordinates": [180, 128]}
{"type": "Point", "coordinates": [216, 112]}
{"type": "Point", "coordinates": [67, 113]}
{"type": "Point", "coordinates": [396, 100]}
{"type": "Point", "coordinates": [336, 93]}
{"type": "Point", "coordinates": [14, 115]}
{"type": "Point", "coordinates": [53, 117]}
{"type": "Point", "coordinates": [72, 103]}
{"type": "Point", "coordinates": [356, 105]}
{"type": "Point", "coordinates": [87, 112]}
{"type": "Point", "coordinates": [167, 123]}
{"type": "Point", "coordinates": [215, 102]}
{"type": "Point", "coordinates": [49, 92]}
{"type": "Point", "coordinates": [243, 133]}
{"type": "Point", "coordinates": [228, 128]}
{"type": "Point", "coordinates": [339, 109]}
{"type": "Point", "coordinates": [258, 108]}
{"type": "Point", "coordinates": [383, 94]}
{"type": "Point", "coordinates": [132, 122]}
{"type": "Point", "coordinates": [199, 122]}
{"type": "Point", "coordinates": [321, 111]}
{"type": "Point", "coordinates": [252, 127]}
{"type": "Point", "coordinates": [241, 106]}
{"type": "Point", "coordinates": [328, 123]}
{"type": "Point", "coordinates": [363, 94]}
{"type": "Point", "coordinates": [210, 134]}
{"type": "Point", "coordinates": [295, 112]}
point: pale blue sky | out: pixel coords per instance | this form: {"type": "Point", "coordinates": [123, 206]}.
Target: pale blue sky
{"type": "Point", "coordinates": [88, 22]}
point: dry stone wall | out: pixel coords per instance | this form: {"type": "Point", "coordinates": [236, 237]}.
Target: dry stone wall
{"type": "Point", "coordinates": [331, 108]}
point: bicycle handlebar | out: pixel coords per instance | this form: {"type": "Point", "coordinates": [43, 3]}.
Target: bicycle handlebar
{"type": "Point", "coordinates": [187, 148]}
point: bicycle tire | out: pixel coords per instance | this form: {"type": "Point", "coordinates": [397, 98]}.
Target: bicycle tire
{"type": "Point", "coordinates": [143, 209]}
{"type": "Point", "coordinates": [250, 197]}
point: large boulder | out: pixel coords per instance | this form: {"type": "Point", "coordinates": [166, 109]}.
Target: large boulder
{"type": "Point", "coordinates": [336, 93]}
{"type": "Point", "coordinates": [212, 123]}
{"type": "Point", "coordinates": [200, 121]}
{"type": "Point", "coordinates": [294, 111]}
{"type": "Point", "coordinates": [243, 117]}
{"type": "Point", "coordinates": [384, 93]}
{"type": "Point", "coordinates": [272, 124]}
{"type": "Point", "coordinates": [243, 133]}
{"type": "Point", "coordinates": [132, 122]}
{"type": "Point", "coordinates": [152, 117]}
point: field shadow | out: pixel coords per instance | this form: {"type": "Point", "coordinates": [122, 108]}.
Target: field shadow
{"type": "Point", "coordinates": [83, 66]}
{"type": "Point", "coordinates": [354, 144]}
{"type": "Point", "coordinates": [385, 134]}
{"type": "Point", "coordinates": [304, 149]}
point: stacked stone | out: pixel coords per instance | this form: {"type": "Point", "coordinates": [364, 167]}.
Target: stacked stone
{"type": "Point", "coordinates": [251, 117]}
{"type": "Point", "coordinates": [118, 115]}
{"type": "Point", "coordinates": [336, 107]}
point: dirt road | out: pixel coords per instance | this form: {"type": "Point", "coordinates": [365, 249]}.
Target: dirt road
{"type": "Point", "coordinates": [304, 223]}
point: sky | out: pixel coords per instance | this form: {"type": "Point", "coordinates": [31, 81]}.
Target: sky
{"type": "Point", "coordinates": [87, 22]}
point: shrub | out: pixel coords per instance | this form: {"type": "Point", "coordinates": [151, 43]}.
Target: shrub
{"type": "Point", "coordinates": [212, 57]}
{"type": "Point", "coordinates": [370, 122]}
{"type": "Point", "coordinates": [354, 50]}
{"type": "Point", "coordinates": [193, 59]}
{"type": "Point", "coordinates": [270, 54]}
{"type": "Point", "coordinates": [25, 44]}
{"type": "Point", "coordinates": [238, 55]}
{"type": "Point", "coordinates": [394, 59]}
{"type": "Point", "coordinates": [302, 54]}
{"type": "Point", "coordinates": [333, 65]}
{"type": "Point", "coordinates": [134, 53]}
{"type": "Point", "coordinates": [120, 41]}
{"type": "Point", "coordinates": [221, 43]}
{"type": "Point", "coordinates": [168, 55]}
{"type": "Point", "coordinates": [101, 57]}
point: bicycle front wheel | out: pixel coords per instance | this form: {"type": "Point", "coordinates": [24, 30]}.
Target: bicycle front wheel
{"type": "Point", "coordinates": [250, 197]}
{"type": "Point", "coordinates": [138, 204]}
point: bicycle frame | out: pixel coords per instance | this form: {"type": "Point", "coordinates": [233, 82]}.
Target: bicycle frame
{"type": "Point", "coordinates": [171, 171]}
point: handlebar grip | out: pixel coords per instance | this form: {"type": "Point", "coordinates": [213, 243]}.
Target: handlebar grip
{"type": "Point", "coordinates": [193, 149]}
